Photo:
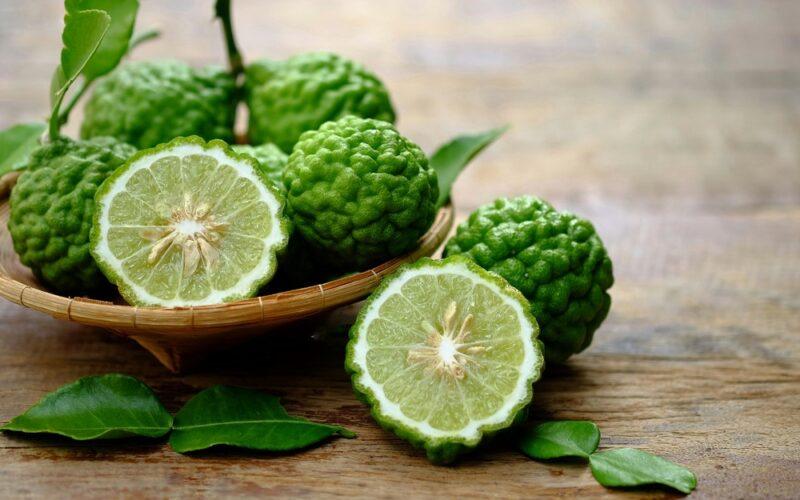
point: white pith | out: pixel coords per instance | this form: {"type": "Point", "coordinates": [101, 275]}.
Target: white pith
{"type": "Point", "coordinates": [244, 170]}
{"type": "Point", "coordinates": [530, 362]}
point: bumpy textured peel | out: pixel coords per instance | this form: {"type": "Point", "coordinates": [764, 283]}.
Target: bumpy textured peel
{"type": "Point", "coordinates": [270, 158]}
{"type": "Point", "coordinates": [246, 285]}
{"type": "Point", "coordinates": [440, 446]}
{"type": "Point", "coordinates": [555, 259]}
{"type": "Point", "coordinates": [287, 98]}
{"type": "Point", "coordinates": [359, 192]}
{"type": "Point", "coordinates": [52, 207]}
{"type": "Point", "coordinates": [147, 103]}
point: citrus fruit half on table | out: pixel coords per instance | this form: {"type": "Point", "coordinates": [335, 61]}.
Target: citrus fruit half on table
{"type": "Point", "coordinates": [445, 352]}
{"type": "Point", "coordinates": [188, 223]}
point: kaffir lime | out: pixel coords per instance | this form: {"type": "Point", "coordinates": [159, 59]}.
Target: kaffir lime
{"type": "Point", "coordinates": [188, 223]}
{"type": "Point", "coordinates": [556, 259]}
{"type": "Point", "coordinates": [445, 353]}
{"type": "Point", "coordinates": [52, 206]}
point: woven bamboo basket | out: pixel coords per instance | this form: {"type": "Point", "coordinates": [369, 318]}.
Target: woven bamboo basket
{"type": "Point", "coordinates": [180, 338]}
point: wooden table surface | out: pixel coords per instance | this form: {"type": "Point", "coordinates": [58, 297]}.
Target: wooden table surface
{"type": "Point", "coordinates": [673, 125]}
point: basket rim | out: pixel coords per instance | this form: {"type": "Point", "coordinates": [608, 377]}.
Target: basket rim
{"type": "Point", "coordinates": [279, 307]}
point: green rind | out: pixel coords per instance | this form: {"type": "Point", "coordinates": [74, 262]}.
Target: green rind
{"type": "Point", "coordinates": [285, 225]}
{"type": "Point", "coordinates": [146, 103]}
{"type": "Point", "coordinates": [442, 450]}
{"type": "Point", "coordinates": [287, 98]}
{"type": "Point", "coordinates": [52, 211]}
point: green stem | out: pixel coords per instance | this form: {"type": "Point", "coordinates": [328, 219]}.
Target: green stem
{"type": "Point", "coordinates": [143, 37]}
{"type": "Point", "coordinates": [64, 115]}
{"type": "Point", "coordinates": [235, 61]}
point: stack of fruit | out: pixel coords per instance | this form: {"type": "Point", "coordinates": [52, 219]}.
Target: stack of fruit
{"type": "Point", "coordinates": [154, 200]}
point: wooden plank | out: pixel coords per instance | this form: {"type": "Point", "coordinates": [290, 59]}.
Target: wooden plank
{"type": "Point", "coordinates": [701, 374]}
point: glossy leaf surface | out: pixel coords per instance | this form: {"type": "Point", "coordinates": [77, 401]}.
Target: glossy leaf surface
{"type": "Point", "coordinates": [244, 418]}
{"type": "Point", "coordinates": [451, 158]}
{"type": "Point", "coordinates": [98, 407]}
{"type": "Point", "coordinates": [565, 438]}
{"type": "Point", "coordinates": [627, 467]}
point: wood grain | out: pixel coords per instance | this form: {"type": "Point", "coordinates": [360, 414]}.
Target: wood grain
{"type": "Point", "coordinates": [673, 125]}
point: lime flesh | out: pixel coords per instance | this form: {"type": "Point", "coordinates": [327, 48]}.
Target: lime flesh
{"type": "Point", "coordinates": [188, 223]}
{"type": "Point", "coordinates": [445, 352]}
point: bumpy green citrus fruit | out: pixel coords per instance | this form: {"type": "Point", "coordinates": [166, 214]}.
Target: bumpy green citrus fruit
{"type": "Point", "coordinates": [52, 207]}
{"type": "Point", "coordinates": [359, 191]}
{"type": "Point", "coordinates": [188, 223]}
{"type": "Point", "coordinates": [269, 157]}
{"type": "Point", "coordinates": [151, 102]}
{"type": "Point", "coordinates": [445, 353]}
{"type": "Point", "coordinates": [286, 98]}
{"type": "Point", "coordinates": [555, 259]}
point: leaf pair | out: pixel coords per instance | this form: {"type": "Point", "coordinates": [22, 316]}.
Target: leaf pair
{"type": "Point", "coordinates": [117, 406]}
{"type": "Point", "coordinates": [623, 467]}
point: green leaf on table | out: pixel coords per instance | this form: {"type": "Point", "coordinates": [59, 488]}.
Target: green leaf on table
{"type": "Point", "coordinates": [559, 439]}
{"type": "Point", "coordinates": [627, 467]}
{"type": "Point", "coordinates": [16, 145]}
{"type": "Point", "coordinates": [451, 158]}
{"type": "Point", "coordinates": [99, 407]}
{"type": "Point", "coordinates": [244, 418]}
{"type": "Point", "coordinates": [115, 44]}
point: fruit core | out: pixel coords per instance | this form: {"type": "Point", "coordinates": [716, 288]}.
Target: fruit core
{"type": "Point", "coordinates": [194, 230]}
{"type": "Point", "coordinates": [447, 351]}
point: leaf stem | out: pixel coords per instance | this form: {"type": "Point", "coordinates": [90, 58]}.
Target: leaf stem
{"type": "Point", "coordinates": [143, 37]}
{"type": "Point", "coordinates": [54, 129]}
{"type": "Point", "coordinates": [63, 116]}
{"type": "Point", "coordinates": [235, 61]}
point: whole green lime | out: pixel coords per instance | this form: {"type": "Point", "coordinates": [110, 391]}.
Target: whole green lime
{"type": "Point", "coordinates": [151, 102]}
{"type": "Point", "coordinates": [287, 98]}
{"type": "Point", "coordinates": [359, 191]}
{"type": "Point", "coordinates": [269, 157]}
{"type": "Point", "coordinates": [52, 206]}
{"type": "Point", "coordinates": [555, 259]}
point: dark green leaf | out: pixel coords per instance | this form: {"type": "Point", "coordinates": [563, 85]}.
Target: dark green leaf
{"type": "Point", "coordinates": [244, 418]}
{"type": "Point", "coordinates": [629, 467]}
{"type": "Point", "coordinates": [101, 407]}
{"type": "Point", "coordinates": [451, 158]}
{"type": "Point", "coordinates": [115, 43]}
{"type": "Point", "coordinates": [566, 438]}
{"type": "Point", "coordinates": [16, 145]}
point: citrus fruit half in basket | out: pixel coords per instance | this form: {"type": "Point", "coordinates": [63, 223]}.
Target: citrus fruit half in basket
{"type": "Point", "coordinates": [445, 353]}
{"type": "Point", "coordinates": [188, 223]}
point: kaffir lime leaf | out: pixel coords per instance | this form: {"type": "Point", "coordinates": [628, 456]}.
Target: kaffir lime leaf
{"type": "Point", "coordinates": [188, 223]}
{"type": "Point", "coordinates": [445, 353]}
{"type": "Point", "coordinates": [556, 259]}
{"type": "Point", "coordinates": [52, 207]}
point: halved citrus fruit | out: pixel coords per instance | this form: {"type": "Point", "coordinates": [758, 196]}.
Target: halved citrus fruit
{"type": "Point", "coordinates": [188, 223]}
{"type": "Point", "coordinates": [445, 353]}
